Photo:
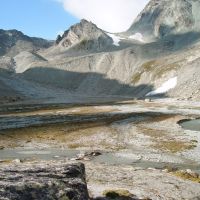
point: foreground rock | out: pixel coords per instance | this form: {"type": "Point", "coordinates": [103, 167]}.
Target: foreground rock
{"type": "Point", "coordinates": [43, 181]}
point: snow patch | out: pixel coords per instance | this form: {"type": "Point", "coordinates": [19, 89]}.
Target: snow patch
{"type": "Point", "coordinates": [116, 39]}
{"type": "Point", "coordinates": [170, 84]}
{"type": "Point", "coordinates": [137, 36]}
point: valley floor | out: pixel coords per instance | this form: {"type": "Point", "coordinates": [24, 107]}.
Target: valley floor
{"type": "Point", "coordinates": [140, 144]}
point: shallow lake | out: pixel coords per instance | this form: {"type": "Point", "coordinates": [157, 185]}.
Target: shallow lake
{"type": "Point", "coordinates": [193, 125]}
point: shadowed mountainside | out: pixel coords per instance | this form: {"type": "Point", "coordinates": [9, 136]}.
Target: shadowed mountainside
{"type": "Point", "coordinates": [97, 83]}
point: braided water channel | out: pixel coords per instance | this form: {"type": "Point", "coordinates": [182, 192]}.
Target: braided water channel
{"type": "Point", "coordinates": [115, 135]}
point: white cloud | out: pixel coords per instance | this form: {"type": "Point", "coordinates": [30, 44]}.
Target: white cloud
{"type": "Point", "coordinates": [110, 15]}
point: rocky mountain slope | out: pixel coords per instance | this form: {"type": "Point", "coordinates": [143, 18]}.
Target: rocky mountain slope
{"type": "Point", "coordinates": [162, 18]}
{"type": "Point", "coordinates": [13, 42]}
{"type": "Point", "coordinates": [158, 56]}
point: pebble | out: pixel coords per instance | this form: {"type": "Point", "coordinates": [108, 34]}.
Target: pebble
{"type": "Point", "coordinates": [165, 170]}
{"type": "Point", "coordinates": [152, 169]}
{"type": "Point", "coordinates": [147, 100]}
{"type": "Point", "coordinates": [16, 161]}
{"type": "Point", "coordinates": [73, 159]}
{"type": "Point", "coordinates": [56, 156]}
{"type": "Point", "coordinates": [87, 159]}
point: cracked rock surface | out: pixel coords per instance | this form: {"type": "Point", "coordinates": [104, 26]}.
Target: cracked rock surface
{"type": "Point", "coordinates": [43, 181]}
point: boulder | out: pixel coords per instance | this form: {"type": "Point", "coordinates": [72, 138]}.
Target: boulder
{"type": "Point", "coordinates": [43, 181]}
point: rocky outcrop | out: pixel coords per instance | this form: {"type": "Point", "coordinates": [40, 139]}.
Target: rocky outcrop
{"type": "Point", "coordinates": [43, 181]}
{"type": "Point", "coordinates": [7, 63]}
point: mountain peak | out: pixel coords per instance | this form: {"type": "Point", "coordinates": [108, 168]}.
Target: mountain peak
{"type": "Point", "coordinates": [166, 17]}
{"type": "Point", "coordinates": [76, 32]}
{"type": "Point", "coordinates": [80, 32]}
{"type": "Point", "coordinates": [84, 21]}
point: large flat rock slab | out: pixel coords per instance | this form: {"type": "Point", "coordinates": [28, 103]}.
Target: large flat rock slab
{"type": "Point", "coordinates": [43, 181]}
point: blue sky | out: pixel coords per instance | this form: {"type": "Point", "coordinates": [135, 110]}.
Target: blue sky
{"type": "Point", "coordinates": [40, 18]}
{"type": "Point", "coordinates": [47, 18]}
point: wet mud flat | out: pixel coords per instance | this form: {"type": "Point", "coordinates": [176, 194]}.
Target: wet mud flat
{"type": "Point", "coordinates": [114, 128]}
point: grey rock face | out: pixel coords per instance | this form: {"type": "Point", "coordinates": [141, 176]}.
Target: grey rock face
{"type": "Point", "coordinates": [161, 18]}
{"type": "Point", "coordinates": [85, 35]}
{"type": "Point", "coordinates": [24, 60]}
{"type": "Point", "coordinates": [42, 181]}
{"type": "Point", "coordinates": [7, 63]}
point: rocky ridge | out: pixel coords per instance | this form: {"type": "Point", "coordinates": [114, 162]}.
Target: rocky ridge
{"type": "Point", "coordinates": [85, 35]}
{"type": "Point", "coordinates": [13, 42]}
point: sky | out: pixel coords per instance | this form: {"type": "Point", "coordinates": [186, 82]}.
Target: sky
{"type": "Point", "coordinates": [48, 18]}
